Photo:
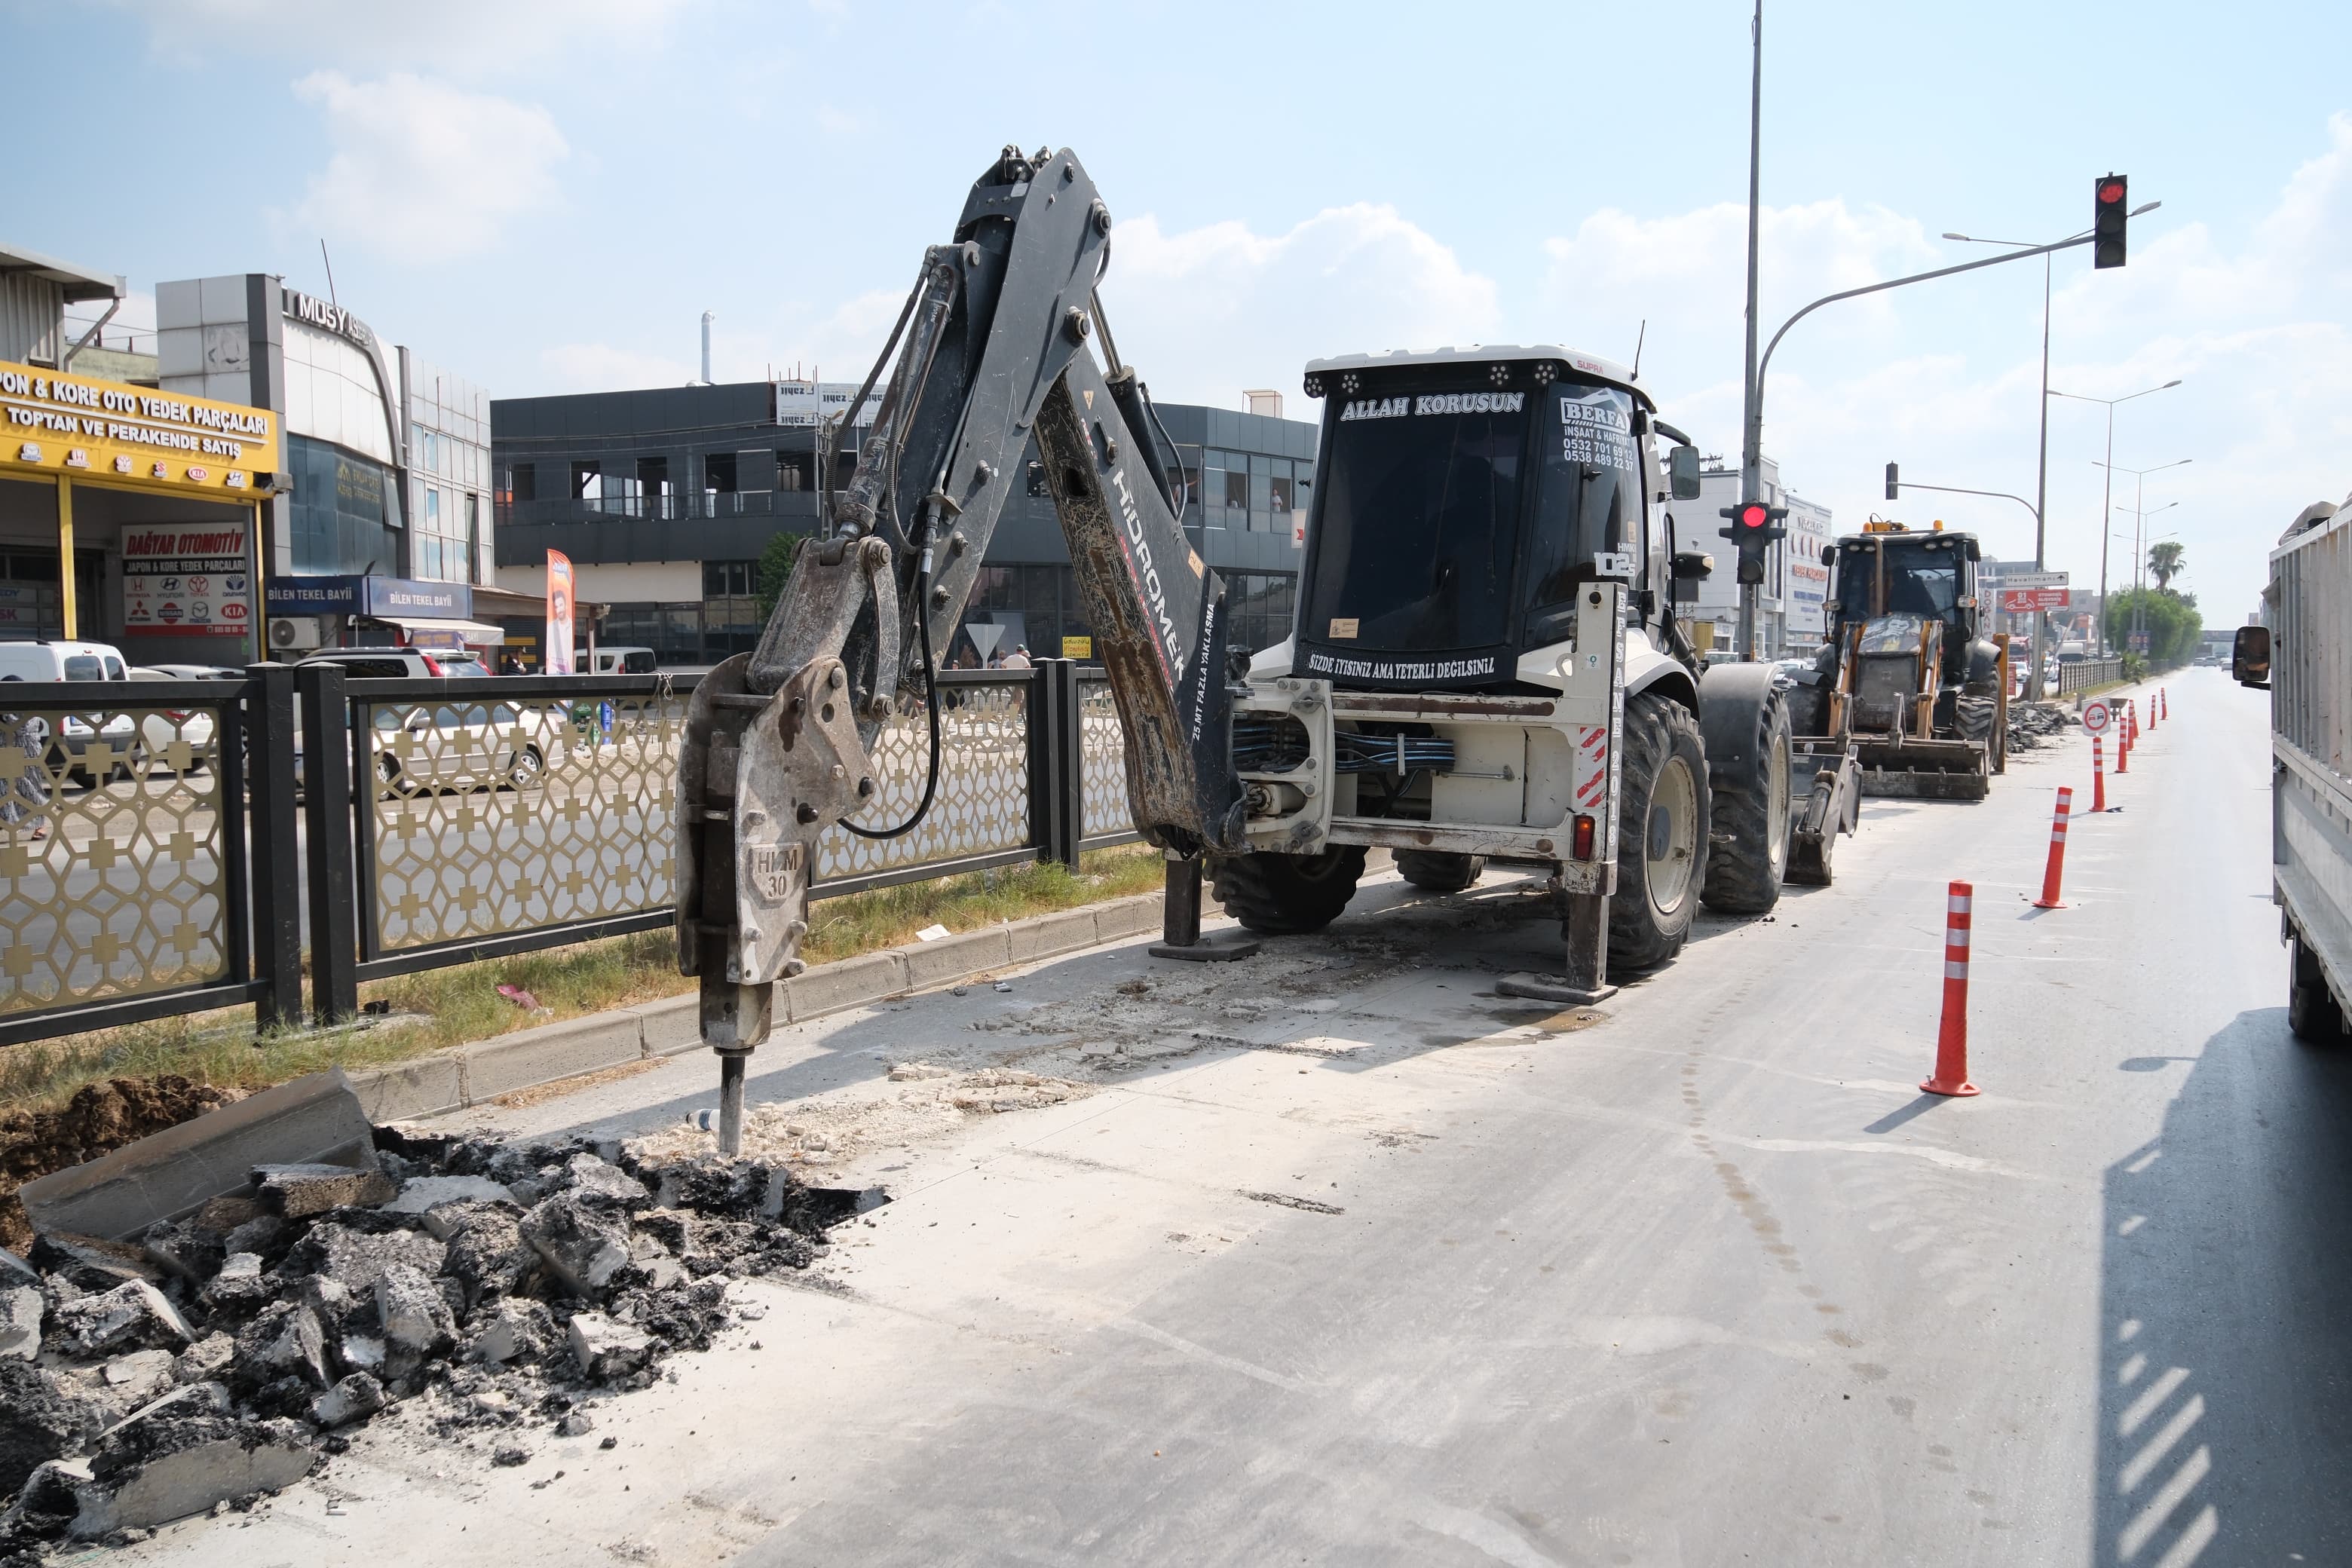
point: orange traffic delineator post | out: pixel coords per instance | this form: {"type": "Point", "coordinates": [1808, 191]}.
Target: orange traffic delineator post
{"type": "Point", "coordinates": [2123, 747]}
{"type": "Point", "coordinates": [2164, 702]}
{"type": "Point", "coordinates": [1952, 1039]}
{"type": "Point", "coordinates": [2098, 774]}
{"type": "Point", "coordinates": [2050, 873]}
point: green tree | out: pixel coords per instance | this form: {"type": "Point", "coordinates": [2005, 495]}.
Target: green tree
{"type": "Point", "coordinates": [775, 570]}
{"type": "Point", "coordinates": [2171, 621]}
{"type": "Point", "coordinates": [2165, 560]}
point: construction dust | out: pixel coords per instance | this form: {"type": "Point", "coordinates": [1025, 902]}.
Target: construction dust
{"type": "Point", "coordinates": [917, 1101]}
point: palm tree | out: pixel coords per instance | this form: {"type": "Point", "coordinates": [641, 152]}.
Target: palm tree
{"type": "Point", "coordinates": [2165, 560]}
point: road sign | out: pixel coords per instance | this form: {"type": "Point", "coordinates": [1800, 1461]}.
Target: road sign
{"type": "Point", "coordinates": [2097, 717]}
{"type": "Point", "coordinates": [2007, 580]}
{"type": "Point", "coordinates": [2139, 642]}
{"type": "Point", "coordinates": [2019, 601]}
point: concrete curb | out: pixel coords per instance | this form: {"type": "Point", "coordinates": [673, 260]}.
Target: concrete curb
{"type": "Point", "coordinates": [466, 1076]}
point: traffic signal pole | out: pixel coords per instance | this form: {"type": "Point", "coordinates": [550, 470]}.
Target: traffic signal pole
{"type": "Point", "coordinates": [1751, 447]}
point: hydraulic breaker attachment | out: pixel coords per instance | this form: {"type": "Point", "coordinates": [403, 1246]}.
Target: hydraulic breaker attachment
{"type": "Point", "coordinates": [1824, 800]}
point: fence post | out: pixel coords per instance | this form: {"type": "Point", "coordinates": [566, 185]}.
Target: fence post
{"type": "Point", "coordinates": [327, 818]}
{"type": "Point", "coordinates": [275, 858]}
{"type": "Point", "coordinates": [1071, 780]}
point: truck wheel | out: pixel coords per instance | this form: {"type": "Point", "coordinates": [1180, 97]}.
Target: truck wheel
{"type": "Point", "coordinates": [1973, 717]}
{"type": "Point", "coordinates": [1288, 895]}
{"type": "Point", "coordinates": [1747, 843]}
{"type": "Point", "coordinates": [1660, 832]}
{"type": "Point", "coordinates": [1436, 871]}
{"type": "Point", "coordinates": [2313, 1013]}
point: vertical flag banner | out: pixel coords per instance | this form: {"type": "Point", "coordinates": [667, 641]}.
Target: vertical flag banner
{"type": "Point", "coordinates": [559, 613]}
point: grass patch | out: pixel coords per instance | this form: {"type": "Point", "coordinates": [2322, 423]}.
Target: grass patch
{"type": "Point", "coordinates": [461, 1004]}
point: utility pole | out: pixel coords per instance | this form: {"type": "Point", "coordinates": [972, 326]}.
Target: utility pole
{"type": "Point", "coordinates": [1751, 447]}
{"type": "Point", "coordinates": [2041, 490]}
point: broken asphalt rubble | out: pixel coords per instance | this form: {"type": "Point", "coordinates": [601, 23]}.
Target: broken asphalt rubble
{"type": "Point", "coordinates": [220, 1354]}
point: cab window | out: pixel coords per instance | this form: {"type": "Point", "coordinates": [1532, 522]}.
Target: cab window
{"type": "Point", "coordinates": [83, 667]}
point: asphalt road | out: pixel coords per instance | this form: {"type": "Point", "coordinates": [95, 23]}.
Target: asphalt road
{"type": "Point", "coordinates": [1708, 1281]}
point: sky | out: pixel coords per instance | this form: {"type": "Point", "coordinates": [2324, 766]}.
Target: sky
{"type": "Point", "coordinates": [545, 195]}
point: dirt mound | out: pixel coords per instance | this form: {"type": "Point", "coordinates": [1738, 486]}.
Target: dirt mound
{"type": "Point", "coordinates": [99, 1119]}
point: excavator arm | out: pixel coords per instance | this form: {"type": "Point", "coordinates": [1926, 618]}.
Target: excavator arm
{"type": "Point", "coordinates": [991, 350]}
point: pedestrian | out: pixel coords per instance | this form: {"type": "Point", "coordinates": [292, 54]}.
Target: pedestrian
{"type": "Point", "coordinates": [1018, 658]}
{"type": "Point", "coordinates": [29, 734]}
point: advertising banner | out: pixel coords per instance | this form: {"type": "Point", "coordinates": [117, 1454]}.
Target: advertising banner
{"type": "Point", "coordinates": [188, 580]}
{"type": "Point", "coordinates": [2025, 601]}
{"type": "Point", "coordinates": [558, 614]}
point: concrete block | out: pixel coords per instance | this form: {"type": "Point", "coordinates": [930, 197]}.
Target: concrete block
{"type": "Point", "coordinates": [850, 983]}
{"type": "Point", "coordinates": [1045, 936]}
{"type": "Point", "coordinates": [423, 1088]}
{"type": "Point", "coordinates": [551, 1051]}
{"type": "Point", "coordinates": [951, 959]}
{"type": "Point", "coordinates": [298, 1191]}
{"type": "Point", "coordinates": [174, 1172]}
{"type": "Point", "coordinates": [674, 1024]}
{"type": "Point", "coordinates": [222, 1463]}
{"type": "Point", "coordinates": [606, 1349]}
{"type": "Point", "coordinates": [1123, 918]}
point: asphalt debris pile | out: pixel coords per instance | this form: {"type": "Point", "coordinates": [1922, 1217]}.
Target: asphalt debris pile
{"type": "Point", "coordinates": [2032, 723]}
{"type": "Point", "coordinates": [219, 1356]}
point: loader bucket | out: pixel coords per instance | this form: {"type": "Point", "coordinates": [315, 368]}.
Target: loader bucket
{"type": "Point", "coordinates": [1907, 769]}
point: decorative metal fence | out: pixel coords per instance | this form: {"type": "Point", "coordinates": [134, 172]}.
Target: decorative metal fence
{"type": "Point", "coordinates": [126, 887]}
{"type": "Point", "coordinates": [160, 845]}
{"type": "Point", "coordinates": [2084, 674]}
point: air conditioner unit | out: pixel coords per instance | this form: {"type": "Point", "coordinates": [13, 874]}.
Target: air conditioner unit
{"type": "Point", "coordinates": [294, 632]}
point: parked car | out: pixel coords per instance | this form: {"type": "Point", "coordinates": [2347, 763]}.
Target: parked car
{"type": "Point", "coordinates": [383, 663]}
{"type": "Point", "coordinates": [462, 746]}
{"type": "Point", "coordinates": [194, 725]}
{"type": "Point", "coordinates": [45, 660]}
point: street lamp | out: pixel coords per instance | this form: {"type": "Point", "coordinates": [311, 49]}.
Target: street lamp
{"type": "Point", "coordinates": [2106, 499]}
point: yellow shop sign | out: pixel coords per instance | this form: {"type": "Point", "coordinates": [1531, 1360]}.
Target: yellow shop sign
{"type": "Point", "coordinates": [81, 428]}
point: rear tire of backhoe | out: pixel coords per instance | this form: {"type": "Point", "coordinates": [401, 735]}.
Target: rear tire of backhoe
{"type": "Point", "coordinates": [1286, 895]}
{"type": "Point", "coordinates": [1438, 871]}
{"type": "Point", "coordinates": [1748, 847]}
{"type": "Point", "coordinates": [1662, 833]}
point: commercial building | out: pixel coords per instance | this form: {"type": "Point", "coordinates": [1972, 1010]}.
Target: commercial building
{"type": "Point", "coordinates": [127, 514]}
{"type": "Point", "coordinates": [664, 499]}
{"type": "Point", "coordinates": [384, 492]}
{"type": "Point", "coordinates": [1788, 616]}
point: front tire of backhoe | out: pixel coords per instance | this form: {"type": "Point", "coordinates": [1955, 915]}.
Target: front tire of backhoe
{"type": "Point", "coordinates": [1747, 849]}
{"type": "Point", "coordinates": [1662, 833]}
{"type": "Point", "coordinates": [1288, 895]}
{"type": "Point", "coordinates": [1438, 871]}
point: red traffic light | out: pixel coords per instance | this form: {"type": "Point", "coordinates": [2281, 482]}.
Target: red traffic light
{"type": "Point", "coordinates": [1755, 514]}
{"type": "Point", "coordinates": [2111, 190]}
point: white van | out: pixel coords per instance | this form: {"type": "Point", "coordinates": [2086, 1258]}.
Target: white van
{"type": "Point", "coordinates": [622, 661]}
{"type": "Point", "coordinates": [48, 661]}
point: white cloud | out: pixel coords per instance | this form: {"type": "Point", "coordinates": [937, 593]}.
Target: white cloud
{"type": "Point", "coordinates": [602, 367]}
{"type": "Point", "coordinates": [1207, 312]}
{"type": "Point", "coordinates": [422, 171]}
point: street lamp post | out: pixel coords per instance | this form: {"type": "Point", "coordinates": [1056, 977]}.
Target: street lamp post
{"type": "Point", "coordinates": [2139, 513]}
{"type": "Point", "coordinates": [2106, 497]}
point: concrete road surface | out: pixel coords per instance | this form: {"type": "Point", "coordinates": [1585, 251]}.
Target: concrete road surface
{"type": "Point", "coordinates": [1359, 1262]}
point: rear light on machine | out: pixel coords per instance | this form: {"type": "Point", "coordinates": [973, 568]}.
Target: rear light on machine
{"type": "Point", "coordinates": [1580, 841]}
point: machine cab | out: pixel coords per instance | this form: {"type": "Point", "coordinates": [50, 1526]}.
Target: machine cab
{"type": "Point", "coordinates": [1464, 498]}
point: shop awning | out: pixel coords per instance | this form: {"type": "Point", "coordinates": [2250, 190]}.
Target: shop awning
{"type": "Point", "coordinates": [446, 634]}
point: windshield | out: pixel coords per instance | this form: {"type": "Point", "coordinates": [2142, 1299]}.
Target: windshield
{"type": "Point", "coordinates": [1420, 523]}
{"type": "Point", "coordinates": [1588, 499]}
{"type": "Point", "coordinates": [1921, 586]}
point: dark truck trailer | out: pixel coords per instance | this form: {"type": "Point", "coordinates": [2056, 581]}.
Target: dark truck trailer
{"type": "Point", "coordinates": [2303, 658]}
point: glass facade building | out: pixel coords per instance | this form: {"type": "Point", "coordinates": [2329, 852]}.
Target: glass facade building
{"type": "Point", "coordinates": [665, 498]}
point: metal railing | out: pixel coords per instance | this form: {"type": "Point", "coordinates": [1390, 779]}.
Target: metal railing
{"type": "Point", "coordinates": [129, 887]}
{"type": "Point", "coordinates": [407, 825]}
{"type": "Point", "coordinates": [674, 507]}
{"type": "Point", "coordinates": [2086, 674]}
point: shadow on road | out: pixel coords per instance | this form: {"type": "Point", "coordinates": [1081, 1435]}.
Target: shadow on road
{"type": "Point", "coordinates": [2226, 1314]}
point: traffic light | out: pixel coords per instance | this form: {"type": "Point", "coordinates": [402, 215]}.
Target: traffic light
{"type": "Point", "coordinates": [1754, 526]}
{"type": "Point", "coordinates": [2110, 211]}
{"type": "Point", "coordinates": [1893, 488]}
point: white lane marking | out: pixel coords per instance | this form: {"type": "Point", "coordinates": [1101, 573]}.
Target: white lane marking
{"type": "Point", "coordinates": [2160, 1507]}
{"type": "Point", "coordinates": [2160, 1445]}
{"type": "Point", "coordinates": [2150, 1399]}
{"type": "Point", "coordinates": [1934, 1156]}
